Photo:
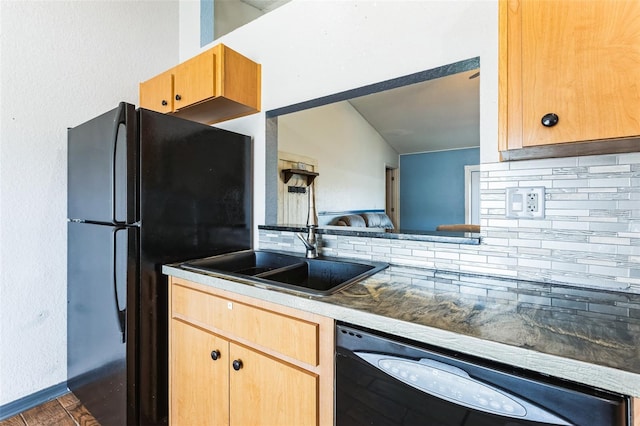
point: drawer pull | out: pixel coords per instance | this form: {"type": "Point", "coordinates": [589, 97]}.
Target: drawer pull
{"type": "Point", "coordinates": [215, 354]}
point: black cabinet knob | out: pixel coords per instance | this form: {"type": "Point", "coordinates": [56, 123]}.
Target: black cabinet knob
{"type": "Point", "coordinates": [178, 97]}
{"type": "Point", "coordinates": [215, 354]}
{"type": "Point", "coordinates": [164, 103]}
{"type": "Point", "coordinates": [550, 120]}
{"type": "Point", "coordinates": [237, 364]}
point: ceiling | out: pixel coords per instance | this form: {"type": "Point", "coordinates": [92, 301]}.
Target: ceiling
{"type": "Point", "coordinates": [433, 115]}
{"type": "Point", "coordinates": [265, 5]}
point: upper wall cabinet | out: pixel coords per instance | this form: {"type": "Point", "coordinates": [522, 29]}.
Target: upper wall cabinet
{"type": "Point", "coordinates": [569, 72]}
{"type": "Point", "coordinates": [216, 85]}
{"type": "Point", "coordinates": [157, 93]}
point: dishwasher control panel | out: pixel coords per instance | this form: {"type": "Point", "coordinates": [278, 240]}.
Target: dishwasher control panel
{"type": "Point", "coordinates": [382, 379]}
{"type": "Point", "coordinates": [454, 385]}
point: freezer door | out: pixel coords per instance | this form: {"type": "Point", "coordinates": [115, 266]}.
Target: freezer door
{"type": "Point", "coordinates": [102, 168]}
{"type": "Point", "coordinates": [196, 189]}
{"type": "Point", "coordinates": [101, 319]}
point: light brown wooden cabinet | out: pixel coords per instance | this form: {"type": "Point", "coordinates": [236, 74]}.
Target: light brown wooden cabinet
{"type": "Point", "coordinates": [235, 360]}
{"type": "Point", "coordinates": [199, 386]}
{"type": "Point", "coordinates": [216, 85]}
{"type": "Point", "coordinates": [579, 60]}
{"type": "Point", "coordinates": [157, 93]}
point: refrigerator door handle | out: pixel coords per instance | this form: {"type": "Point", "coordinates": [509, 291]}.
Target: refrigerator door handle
{"type": "Point", "coordinates": [120, 119]}
{"type": "Point", "coordinates": [122, 313]}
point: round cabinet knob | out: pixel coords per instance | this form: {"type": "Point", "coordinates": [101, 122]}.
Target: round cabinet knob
{"type": "Point", "coordinates": [237, 364]}
{"type": "Point", "coordinates": [164, 103]}
{"type": "Point", "coordinates": [550, 120]}
{"type": "Point", "coordinates": [178, 97]}
{"type": "Point", "coordinates": [215, 354]}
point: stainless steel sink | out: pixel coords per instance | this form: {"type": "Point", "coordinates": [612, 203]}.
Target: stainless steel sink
{"type": "Point", "coordinates": [320, 276]}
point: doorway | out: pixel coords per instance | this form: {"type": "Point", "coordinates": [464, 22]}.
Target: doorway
{"type": "Point", "coordinates": [392, 195]}
{"type": "Point", "coordinates": [472, 194]}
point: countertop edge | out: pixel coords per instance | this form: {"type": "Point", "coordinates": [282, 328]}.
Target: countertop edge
{"type": "Point", "coordinates": [601, 377]}
{"type": "Point", "coordinates": [467, 238]}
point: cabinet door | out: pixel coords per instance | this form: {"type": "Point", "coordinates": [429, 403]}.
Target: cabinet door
{"type": "Point", "coordinates": [580, 60]}
{"type": "Point", "coordinates": [195, 80]}
{"type": "Point", "coordinates": [199, 384]}
{"type": "Point", "coordinates": [265, 391]}
{"type": "Point", "coordinates": [156, 94]}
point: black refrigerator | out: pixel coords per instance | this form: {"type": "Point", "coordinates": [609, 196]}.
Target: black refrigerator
{"type": "Point", "coordinates": [144, 189]}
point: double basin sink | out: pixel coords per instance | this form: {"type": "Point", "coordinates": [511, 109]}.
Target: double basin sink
{"type": "Point", "coordinates": [319, 276]}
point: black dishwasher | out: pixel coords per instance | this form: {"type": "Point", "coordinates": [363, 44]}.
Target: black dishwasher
{"type": "Point", "coordinates": [386, 380]}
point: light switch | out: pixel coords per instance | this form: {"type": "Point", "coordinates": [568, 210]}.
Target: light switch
{"type": "Point", "coordinates": [516, 203]}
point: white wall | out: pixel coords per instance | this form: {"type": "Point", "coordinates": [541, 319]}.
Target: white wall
{"type": "Point", "coordinates": [313, 48]}
{"type": "Point", "coordinates": [63, 62]}
{"type": "Point", "coordinates": [351, 155]}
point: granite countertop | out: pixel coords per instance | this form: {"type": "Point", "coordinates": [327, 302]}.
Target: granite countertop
{"type": "Point", "coordinates": [581, 335]}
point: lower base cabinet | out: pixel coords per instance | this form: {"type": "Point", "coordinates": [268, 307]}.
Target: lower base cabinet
{"type": "Point", "coordinates": [199, 386]}
{"type": "Point", "coordinates": [240, 361]}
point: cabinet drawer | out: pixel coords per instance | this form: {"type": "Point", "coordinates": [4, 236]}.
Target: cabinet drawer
{"type": "Point", "coordinates": [287, 335]}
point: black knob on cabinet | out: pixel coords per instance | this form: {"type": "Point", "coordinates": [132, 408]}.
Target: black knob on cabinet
{"type": "Point", "coordinates": [550, 120]}
{"type": "Point", "coordinates": [215, 354]}
{"type": "Point", "coordinates": [178, 97]}
{"type": "Point", "coordinates": [164, 103]}
{"type": "Point", "coordinates": [237, 364]}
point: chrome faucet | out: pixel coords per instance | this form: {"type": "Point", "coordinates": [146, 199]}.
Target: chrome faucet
{"type": "Point", "coordinates": [311, 242]}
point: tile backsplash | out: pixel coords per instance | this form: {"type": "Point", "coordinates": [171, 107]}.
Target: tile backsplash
{"type": "Point", "coordinates": [589, 237]}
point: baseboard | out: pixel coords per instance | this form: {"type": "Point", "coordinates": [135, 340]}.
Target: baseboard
{"type": "Point", "coordinates": [18, 406]}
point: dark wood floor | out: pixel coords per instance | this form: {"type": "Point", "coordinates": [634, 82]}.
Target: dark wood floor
{"type": "Point", "coordinates": [63, 411]}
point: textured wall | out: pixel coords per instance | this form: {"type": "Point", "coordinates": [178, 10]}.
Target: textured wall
{"type": "Point", "coordinates": [590, 236]}
{"type": "Point", "coordinates": [62, 63]}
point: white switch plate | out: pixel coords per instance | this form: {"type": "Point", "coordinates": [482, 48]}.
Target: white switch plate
{"type": "Point", "coordinates": [525, 203]}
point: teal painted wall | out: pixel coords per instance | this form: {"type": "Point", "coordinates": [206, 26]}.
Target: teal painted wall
{"type": "Point", "coordinates": [432, 188]}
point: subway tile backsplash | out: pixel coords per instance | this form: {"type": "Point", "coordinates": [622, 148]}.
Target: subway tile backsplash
{"type": "Point", "coordinates": [589, 237]}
